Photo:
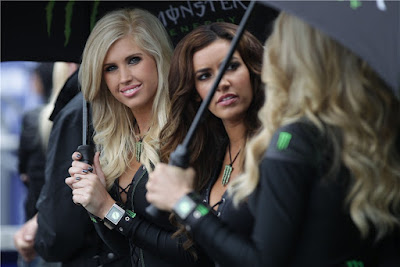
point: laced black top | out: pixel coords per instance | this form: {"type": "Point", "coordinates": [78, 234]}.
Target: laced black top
{"type": "Point", "coordinates": [149, 238]}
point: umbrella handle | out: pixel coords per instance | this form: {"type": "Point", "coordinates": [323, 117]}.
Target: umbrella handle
{"type": "Point", "coordinates": [87, 153]}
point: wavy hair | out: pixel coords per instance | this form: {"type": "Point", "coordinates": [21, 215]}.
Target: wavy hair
{"type": "Point", "coordinates": [308, 75]}
{"type": "Point", "coordinates": [185, 100]}
{"type": "Point", "coordinates": [113, 122]}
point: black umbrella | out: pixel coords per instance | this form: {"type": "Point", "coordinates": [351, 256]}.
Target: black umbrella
{"type": "Point", "coordinates": [371, 29]}
{"type": "Point", "coordinates": [58, 30]}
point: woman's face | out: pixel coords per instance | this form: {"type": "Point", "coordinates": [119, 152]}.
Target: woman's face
{"type": "Point", "coordinates": [131, 75]}
{"type": "Point", "coordinates": [234, 93]}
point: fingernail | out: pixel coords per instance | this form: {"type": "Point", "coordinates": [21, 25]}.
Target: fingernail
{"type": "Point", "coordinates": [78, 155]}
{"type": "Point", "coordinates": [85, 171]}
{"type": "Point", "coordinates": [77, 178]}
{"type": "Point", "coordinates": [90, 169]}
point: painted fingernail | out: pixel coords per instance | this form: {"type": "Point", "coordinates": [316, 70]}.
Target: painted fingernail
{"type": "Point", "coordinates": [77, 178]}
{"type": "Point", "coordinates": [85, 171]}
{"type": "Point", "coordinates": [78, 155]}
{"type": "Point", "coordinates": [90, 169]}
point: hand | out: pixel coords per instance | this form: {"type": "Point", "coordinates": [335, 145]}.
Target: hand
{"type": "Point", "coordinates": [24, 239]}
{"type": "Point", "coordinates": [167, 184]}
{"type": "Point", "coordinates": [79, 166]}
{"type": "Point", "coordinates": [88, 189]}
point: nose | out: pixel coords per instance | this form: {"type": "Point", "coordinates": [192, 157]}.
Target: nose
{"type": "Point", "coordinates": [223, 84]}
{"type": "Point", "coordinates": [125, 75]}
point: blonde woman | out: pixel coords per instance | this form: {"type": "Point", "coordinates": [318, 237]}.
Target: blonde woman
{"type": "Point", "coordinates": [124, 76]}
{"type": "Point", "coordinates": [322, 179]}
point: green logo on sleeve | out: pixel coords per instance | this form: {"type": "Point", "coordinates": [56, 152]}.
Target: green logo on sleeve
{"type": "Point", "coordinates": [283, 140]}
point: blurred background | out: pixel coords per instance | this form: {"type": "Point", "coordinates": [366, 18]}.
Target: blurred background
{"type": "Point", "coordinates": [18, 94]}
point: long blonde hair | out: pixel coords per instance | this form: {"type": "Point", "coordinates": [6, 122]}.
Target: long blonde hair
{"type": "Point", "coordinates": [113, 122]}
{"type": "Point", "coordinates": [61, 72]}
{"type": "Point", "coordinates": [308, 75]}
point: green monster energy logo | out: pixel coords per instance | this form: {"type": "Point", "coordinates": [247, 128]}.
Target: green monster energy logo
{"type": "Point", "coordinates": [354, 4]}
{"type": "Point", "coordinates": [283, 140]}
{"type": "Point", "coordinates": [354, 263]}
{"type": "Point", "coordinates": [69, 10]}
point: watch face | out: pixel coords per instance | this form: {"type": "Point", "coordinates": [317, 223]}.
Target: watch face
{"type": "Point", "coordinates": [184, 207]}
{"type": "Point", "coordinates": [115, 215]}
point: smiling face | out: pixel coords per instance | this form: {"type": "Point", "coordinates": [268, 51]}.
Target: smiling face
{"type": "Point", "coordinates": [131, 75]}
{"type": "Point", "coordinates": [234, 93]}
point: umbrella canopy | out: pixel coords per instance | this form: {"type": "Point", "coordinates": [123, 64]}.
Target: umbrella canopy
{"type": "Point", "coordinates": [371, 29]}
{"type": "Point", "coordinates": [58, 30]}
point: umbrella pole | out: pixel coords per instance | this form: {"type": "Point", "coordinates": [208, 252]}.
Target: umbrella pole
{"type": "Point", "coordinates": [180, 156]}
{"type": "Point", "coordinates": [85, 149]}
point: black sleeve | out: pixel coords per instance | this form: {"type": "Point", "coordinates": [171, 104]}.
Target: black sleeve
{"type": "Point", "coordinates": [27, 140]}
{"type": "Point", "coordinates": [278, 209]}
{"type": "Point", "coordinates": [150, 237]}
{"type": "Point", "coordinates": [62, 225]}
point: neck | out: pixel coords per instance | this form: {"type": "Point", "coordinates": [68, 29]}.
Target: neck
{"type": "Point", "coordinates": [143, 121]}
{"type": "Point", "coordinates": [236, 134]}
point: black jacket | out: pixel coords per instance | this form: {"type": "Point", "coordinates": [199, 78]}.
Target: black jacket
{"type": "Point", "coordinates": [29, 151]}
{"type": "Point", "coordinates": [300, 216]}
{"type": "Point", "coordinates": [65, 232]}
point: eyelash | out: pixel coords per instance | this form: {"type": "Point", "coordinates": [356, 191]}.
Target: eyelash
{"type": "Point", "coordinates": [132, 61]}
{"type": "Point", "coordinates": [231, 67]}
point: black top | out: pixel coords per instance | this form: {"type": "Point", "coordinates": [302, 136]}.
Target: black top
{"type": "Point", "coordinates": [65, 232]}
{"type": "Point", "coordinates": [240, 219]}
{"type": "Point", "coordinates": [300, 218]}
{"type": "Point", "coordinates": [150, 238]}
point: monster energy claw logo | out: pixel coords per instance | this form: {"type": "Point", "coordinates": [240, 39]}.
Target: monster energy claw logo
{"type": "Point", "coordinates": [69, 8]}
{"type": "Point", "coordinates": [283, 140]}
{"type": "Point", "coordinates": [354, 263]}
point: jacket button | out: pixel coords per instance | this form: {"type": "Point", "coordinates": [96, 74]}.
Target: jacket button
{"type": "Point", "coordinates": [110, 255]}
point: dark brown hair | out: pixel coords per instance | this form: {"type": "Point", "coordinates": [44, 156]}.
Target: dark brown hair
{"type": "Point", "coordinates": [185, 99]}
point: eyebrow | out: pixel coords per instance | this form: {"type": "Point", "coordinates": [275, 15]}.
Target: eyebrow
{"type": "Point", "coordinates": [206, 69]}
{"type": "Point", "coordinates": [126, 59]}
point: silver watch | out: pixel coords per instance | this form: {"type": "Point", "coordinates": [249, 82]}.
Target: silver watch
{"type": "Point", "coordinates": [113, 216]}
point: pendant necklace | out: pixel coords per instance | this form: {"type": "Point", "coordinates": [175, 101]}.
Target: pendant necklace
{"type": "Point", "coordinates": [228, 168]}
{"type": "Point", "coordinates": [139, 145]}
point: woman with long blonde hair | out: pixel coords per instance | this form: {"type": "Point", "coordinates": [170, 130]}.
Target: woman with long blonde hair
{"type": "Point", "coordinates": [322, 179]}
{"type": "Point", "coordinates": [124, 76]}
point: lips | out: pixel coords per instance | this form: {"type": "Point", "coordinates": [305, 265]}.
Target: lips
{"type": "Point", "coordinates": [227, 99]}
{"type": "Point", "coordinates": [131, 90]}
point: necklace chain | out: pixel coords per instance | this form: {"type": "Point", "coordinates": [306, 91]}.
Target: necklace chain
{"type": "Point", "coordinates": [139, 144]}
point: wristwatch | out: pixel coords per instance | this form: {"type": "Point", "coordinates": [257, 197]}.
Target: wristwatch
{"type": "Point", "coordinates": [113, 216]}
{"type": "Point", "coordinates": [184, 207]}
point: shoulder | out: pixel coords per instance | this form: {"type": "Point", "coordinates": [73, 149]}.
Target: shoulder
{"type": "Point", "coordinates": [296, 142]}
{"type": "Point", "coordinates": [72, 110]}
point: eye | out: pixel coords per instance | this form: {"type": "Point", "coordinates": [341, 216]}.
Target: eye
{"type": "Point", "coordinates": [233, 66]}
{"type": "Point", "coordinates": [110, 68]}
{"type": "Point", "coordinates": [203, 76]}
{"type": "Point", "coordinates": [135, 60]}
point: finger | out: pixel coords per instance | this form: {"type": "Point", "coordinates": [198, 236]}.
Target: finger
{"type": "Point", "coordinates": [70, 181]}
{"type": "Point", "coordinates": [74, 170]}
{"type": "Point", "coordinates": [80, 164]}
{"type": "Point", "coordinates": [76, 156]}
{"type": "Point", "coordinates": [96, 161]}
